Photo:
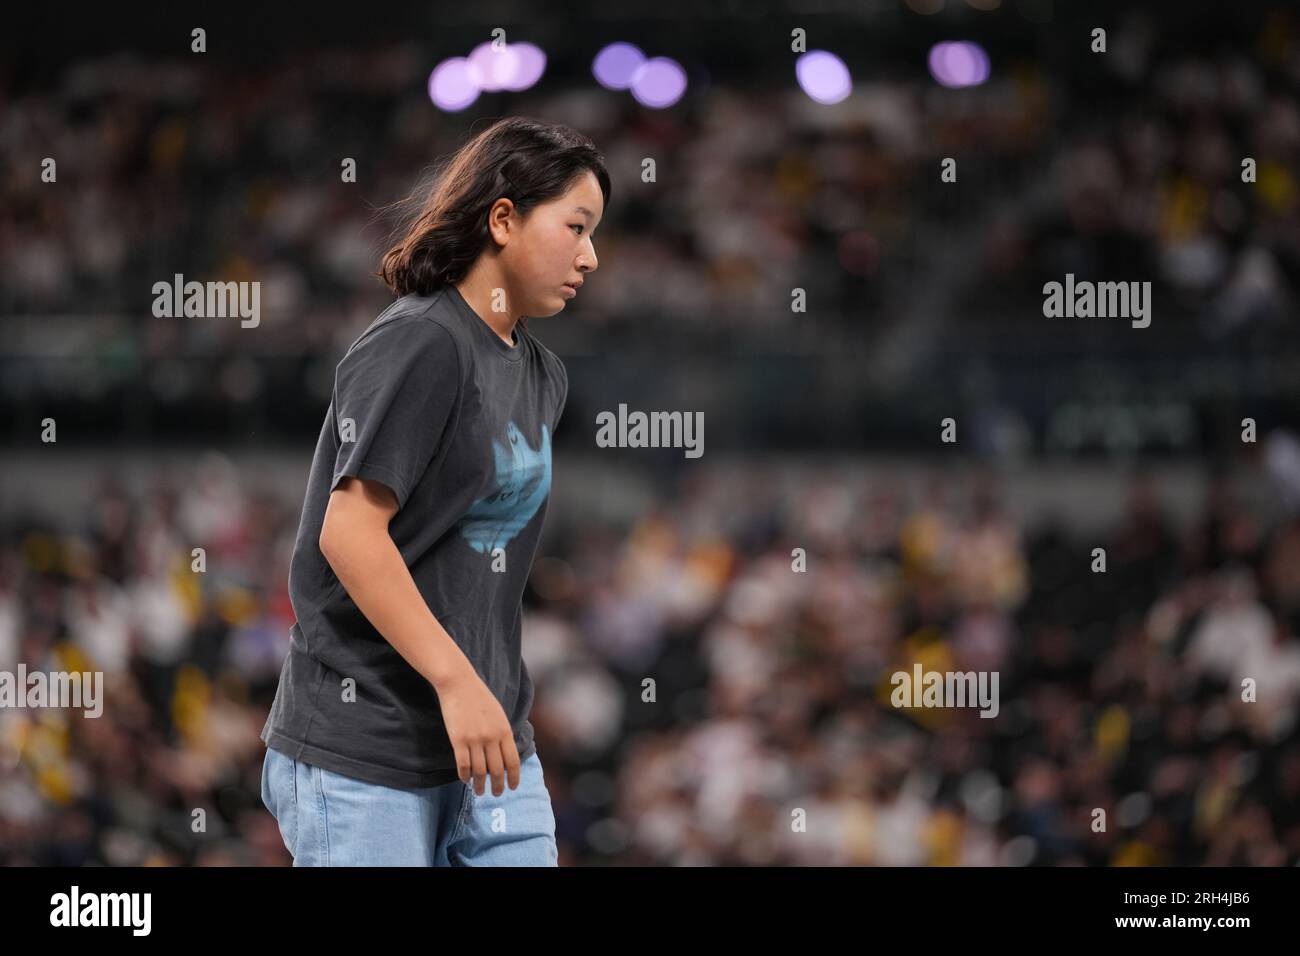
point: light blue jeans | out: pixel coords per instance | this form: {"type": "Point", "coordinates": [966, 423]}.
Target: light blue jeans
{"type": "Point", "coordinates": [328, 819]}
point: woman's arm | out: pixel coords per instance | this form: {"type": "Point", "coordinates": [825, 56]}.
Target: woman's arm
{"type": "Point", "coordinates": [354, 540]}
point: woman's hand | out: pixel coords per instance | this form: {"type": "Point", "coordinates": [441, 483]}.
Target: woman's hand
{"type": "Point", "coordinates": [479, 730]}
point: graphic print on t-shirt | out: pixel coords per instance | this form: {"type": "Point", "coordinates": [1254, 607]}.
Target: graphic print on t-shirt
{"type": "Point", "coordinates": [523, 479]}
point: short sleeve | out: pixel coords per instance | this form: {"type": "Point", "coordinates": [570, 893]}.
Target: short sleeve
{"type": "Point", "coordinates": [395, 392]}
{"type": "Point", "coordinates": [564, 398]}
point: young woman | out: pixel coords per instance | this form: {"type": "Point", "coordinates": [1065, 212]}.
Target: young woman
{"type": "Point", "coordinates": [404, 687]}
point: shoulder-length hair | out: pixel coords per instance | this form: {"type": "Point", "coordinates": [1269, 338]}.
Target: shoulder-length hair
{"type": "Point", "coordinates": [444, 225]}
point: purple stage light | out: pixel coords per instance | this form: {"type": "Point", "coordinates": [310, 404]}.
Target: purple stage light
{"type": "Point", "coordinates": [531, 65]}
{"type": "Point", "coordinates": [659, 82]}
{"type": "Point", "coordinates": [823, 76]}
{"type": "Point", "coordinates": [451, 85]}
{"type": "Point", "coordinates": [959, 63]}
{"type": "Point", "coordinates": [982, 58]}
{"type": "Point", "coordinates": [616, 64]}
{"type": "Point", "coordinates": [491, 68]}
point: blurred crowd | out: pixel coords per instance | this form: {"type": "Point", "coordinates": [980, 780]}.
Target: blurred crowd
{"type": "Point", "coordinates": [713, 680]}
{"type": "Point", "coordinates": [1123, 166]}
{"type": "Point", "coordinates": [1150, 182]}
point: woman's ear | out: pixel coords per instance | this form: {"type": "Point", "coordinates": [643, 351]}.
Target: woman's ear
{"type": "Point", "coordinates": [500, 220]}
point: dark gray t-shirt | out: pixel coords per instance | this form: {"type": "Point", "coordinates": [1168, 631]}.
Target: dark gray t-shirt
{"type": "Point", "coordinates": [431, 402]}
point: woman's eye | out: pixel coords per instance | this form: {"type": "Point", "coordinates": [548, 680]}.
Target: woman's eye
{"type": "Point", "coordinates": [577, 227]}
